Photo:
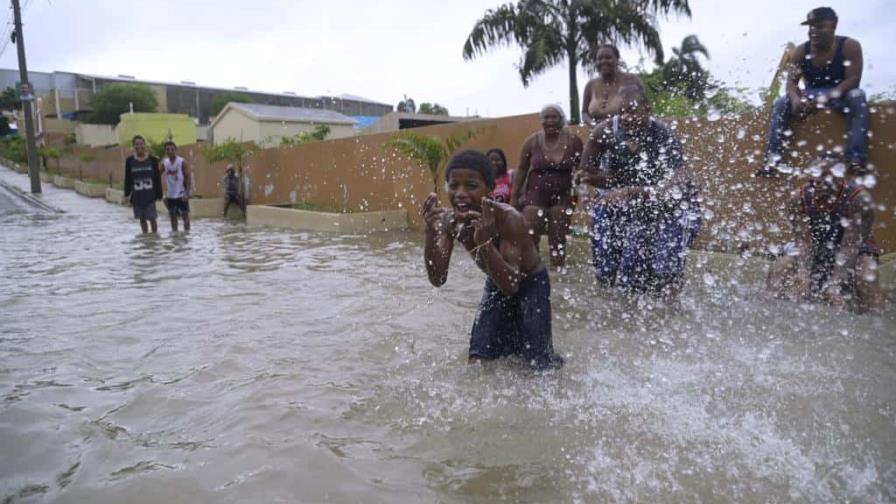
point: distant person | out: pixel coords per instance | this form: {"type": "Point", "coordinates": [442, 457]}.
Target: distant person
{"type": "Point", "coordinates": [649, 213]}
{"type": "Point", "coordinates": [600, 99]}
{"type": "Point", "coordinates": [542, 187]}
{"type": "Point", "coordinates": [503, 176]}
{"type": "Point", "coordinates": [143, 184]}
{"type": "Point", "coordinates": [231, 189]}
{"type": "Point", "coordinates": [830, 68]}
{"type": "Point", "coordinates": [177, 177]}
{"type": "Point", "coordinates": [514, 316]}
{"type": "Point", "coordinates": [833, 256]}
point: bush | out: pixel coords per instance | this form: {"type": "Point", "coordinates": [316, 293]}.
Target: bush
{"type": "Point", "coordinates": [112, 100]}
{"type": "Point", "coordinates": [320, 132]}
{"type": "Point", "coordinates": [13, 148]}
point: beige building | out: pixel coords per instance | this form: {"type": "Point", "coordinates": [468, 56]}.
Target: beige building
{"type": "Point", "coordinates": [266, 125]}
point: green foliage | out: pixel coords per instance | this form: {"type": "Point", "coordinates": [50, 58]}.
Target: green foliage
{"type": "Point", "coordinates": [429, 151]}
{"type": "Point", "coordinates": [157, 149]}
{"type": "Point", "coordinates": [13, 148]}
{"type": "Point", "coordinates": [71, 139]}
{"type": "Point", "coordinates": [551, 31]}
{"type": "Point", "coordinates": [87, 157]}
{"type": "Point", "coordinates": [406, 105]}
{"type": "Point", "coordinates": [683, 71]}
{"type": "Point", "coordinates": [320, 132]}
{"type": "Point", "coordinates": [9, 100]}
{"type": "Point", "coordinates": [112, 100]}
{"type": "Point", "coordinates": [432, 108]}
{"type": "Point", "coordinates": [231, 151]}
{"type": "Point", "coordinates": [226, 97]}
{"type": "Point", "coordinates": [882, 96]}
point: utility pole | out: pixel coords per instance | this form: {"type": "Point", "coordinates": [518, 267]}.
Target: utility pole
{"type": "Point", "coordinates": [26, 91]}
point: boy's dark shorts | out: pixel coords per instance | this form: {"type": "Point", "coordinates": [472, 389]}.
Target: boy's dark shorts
{"type": "Point", "coordinates": [177, 207]}
{"type": "Point", "coordinates": [516, 325]}
{"type": "Point", "coordinates": [146, 212]}
{"type": "Point", "coordinates": [231, 198]}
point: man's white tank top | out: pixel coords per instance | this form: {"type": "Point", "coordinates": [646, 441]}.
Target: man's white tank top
{"type": "Point", "coordinates": [174, 174]}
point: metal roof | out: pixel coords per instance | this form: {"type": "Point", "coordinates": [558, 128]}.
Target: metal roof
{"type": "Point", "coordinates": [291, 114]}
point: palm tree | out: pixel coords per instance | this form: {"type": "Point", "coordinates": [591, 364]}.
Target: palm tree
{"type": "Point", "coordinates": [427, 150]}
{"type": "Point", "coordinates": [683, 70]}
{"type": "Point", "coordinates": [551, 30]}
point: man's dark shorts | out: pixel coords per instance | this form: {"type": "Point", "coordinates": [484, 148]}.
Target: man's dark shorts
{"type": "Point", "coordinates": [516, 325]}
{"type": "Point", "coordinates": [177, 207]}
{"type": "Point", "coordinates": [146, 212]}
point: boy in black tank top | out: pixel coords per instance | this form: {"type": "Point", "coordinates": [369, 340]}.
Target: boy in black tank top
{"type": "Point", "coordinates": [831, 70]}
{"type": "Point", "coordinates": [143, 184]}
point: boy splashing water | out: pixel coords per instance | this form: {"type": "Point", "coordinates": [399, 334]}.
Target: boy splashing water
{"type": "Point", "coordinates": [515, 314]}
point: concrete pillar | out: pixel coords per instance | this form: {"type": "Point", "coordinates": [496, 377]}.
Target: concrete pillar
{"type": "Point", "coordinates": [58, 106]}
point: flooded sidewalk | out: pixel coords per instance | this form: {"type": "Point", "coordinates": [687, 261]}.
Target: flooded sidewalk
{"type": "Point", "coordinates": [243, 364]}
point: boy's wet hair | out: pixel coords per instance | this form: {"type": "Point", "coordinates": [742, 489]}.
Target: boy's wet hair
{"type": "Point", "coordinates": [137, 137]}
{"type": "Point", "coordinates": [171, 143]}
{"type": "Point", "coordinates": [472, 160]}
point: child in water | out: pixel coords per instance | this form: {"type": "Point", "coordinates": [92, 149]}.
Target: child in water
{"type": "Point", "coordinates": [514, 316]}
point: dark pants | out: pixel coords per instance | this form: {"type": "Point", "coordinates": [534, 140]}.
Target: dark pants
{"type": "Point", "coordinates": [516, 325]}
{"type": "Point", "coordinates": [852, 105]}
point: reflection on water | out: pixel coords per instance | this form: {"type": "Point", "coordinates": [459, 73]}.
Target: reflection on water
{"type": "Point", "coordinates": [236, 364]}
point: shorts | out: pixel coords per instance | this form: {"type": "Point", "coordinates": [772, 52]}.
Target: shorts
{"type": "Point", "coordinates": [231, 198]}
{"type": "Point", "coordinates": [177, 207]}
{"type": "Point", "coordinates": [146, 212]}
{"type": "Point", "coordinates": [517, 325]}
{"type": "Point", "coordinates": [638, 251]}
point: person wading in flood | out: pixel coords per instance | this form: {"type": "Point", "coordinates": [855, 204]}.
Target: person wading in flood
{"type": "Point", "coordinates": [177, 177]}
{"type": "Point", "coordinates": [833, 256]}
{"type": "Point", "coordinates": [143, 184]}
{"type": "Point", "coordinates": [514, 316]}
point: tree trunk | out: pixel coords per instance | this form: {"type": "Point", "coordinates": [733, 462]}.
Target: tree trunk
{"type": "Point", "coordinates": [574, 117]}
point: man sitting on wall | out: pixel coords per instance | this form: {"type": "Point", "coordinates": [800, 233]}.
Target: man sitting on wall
{"type": "Point", "coordinates": [831, 70]}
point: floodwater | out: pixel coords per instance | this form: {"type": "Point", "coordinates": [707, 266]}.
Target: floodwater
{"type": "Point", "coordinates": [240, 364]}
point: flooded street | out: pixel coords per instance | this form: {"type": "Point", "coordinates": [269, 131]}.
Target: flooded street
{"type": "Point", "coordinates": [239, 364]}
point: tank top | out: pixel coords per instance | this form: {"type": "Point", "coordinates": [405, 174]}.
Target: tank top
{"type": "Point", "coordinates": [828, 76]}
{"type": "Point", "coordinates": [174, 175]}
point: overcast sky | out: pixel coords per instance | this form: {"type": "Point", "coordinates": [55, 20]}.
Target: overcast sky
{"type": "Point", "coordinates": [383, 50]}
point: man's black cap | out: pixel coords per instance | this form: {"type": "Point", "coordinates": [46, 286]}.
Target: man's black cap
{"type": "Point", "coordinates": [819, 14]}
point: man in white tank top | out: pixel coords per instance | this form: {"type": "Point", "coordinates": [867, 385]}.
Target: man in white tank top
{"type": "Point", "coordinates": [177, 179]}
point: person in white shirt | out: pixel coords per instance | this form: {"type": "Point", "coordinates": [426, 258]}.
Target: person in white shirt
{"type": "Point", "coordinates": [177, 177]}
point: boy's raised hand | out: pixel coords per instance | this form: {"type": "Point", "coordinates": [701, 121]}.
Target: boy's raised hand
{"type": "Point", "coordinates": [433, 212]}
{"type": "Point", "coordinates": [484, 227]}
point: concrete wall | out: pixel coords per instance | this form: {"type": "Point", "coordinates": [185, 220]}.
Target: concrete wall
{"type": "Point", "coordinates": [95, 135]}
{"type": "Point", "coordinates": [155, 128]}
{"type": "Point", "coordinates": [270, 132]}
{"type": "Point", "coordinates": [63, 126]}
{"type": "Point", "coordinates": [356, 173]}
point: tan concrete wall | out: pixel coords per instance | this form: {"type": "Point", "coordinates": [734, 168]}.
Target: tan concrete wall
{"type": "Point", "coordinates": [271, 132]}
{"type": "Point", "coordinates": [59, 126]}
{"type": "Point", "coordinates": [356, 173]}
{"type": "Point", "coordinates": [95, 135]}
{"type": "Point", "coordinates": [234, 124]}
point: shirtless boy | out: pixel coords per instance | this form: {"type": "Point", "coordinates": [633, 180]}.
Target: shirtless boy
{"type": "Point", "coordinates": [514, 316]}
